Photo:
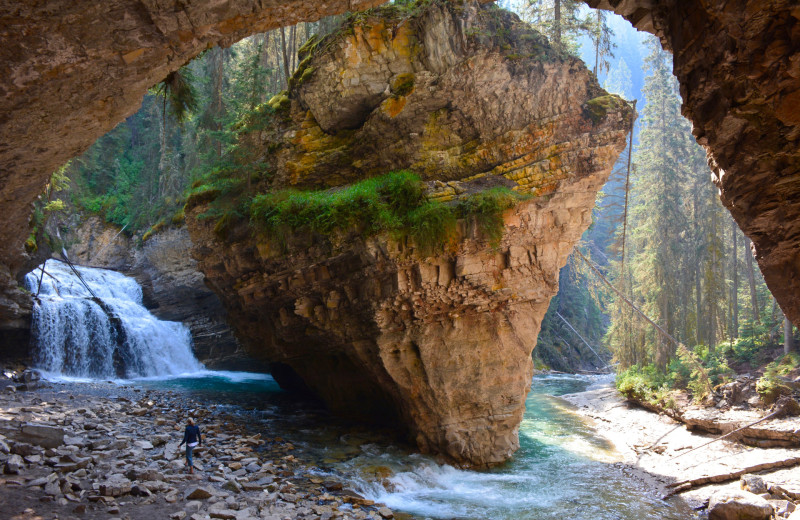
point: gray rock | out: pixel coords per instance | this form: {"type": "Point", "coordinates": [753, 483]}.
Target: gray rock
{"type": "Point", "coordinates": [42, 435]}
{"type": "Point", "coordinates": [24, 449]}
{"type": "Point", "coordinates": [115, 485]}
{"type": "Point", "coordinates": [52, 488]}
{"type": "Point", "coordinates": [738, 505]}
{"type": "Point", "coordinates": [232, 485]}
{"type": "Point", "coordinates": [199, 493]}
{"type": "Point", "coordinates": [753, 484]}
{"type": "Point", "coordinates": [14, 465]}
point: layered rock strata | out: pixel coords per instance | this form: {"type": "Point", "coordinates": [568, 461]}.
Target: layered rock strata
{"type": "Point", "coordinates": [467, 97]}
{"type": "Point", "coordinates": [172, 286]}
{"type": "Point", "coordinates": [738, 64]}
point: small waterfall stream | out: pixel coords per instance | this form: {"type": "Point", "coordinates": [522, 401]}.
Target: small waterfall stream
{"type": "Point", "coordinates": [110, 336]}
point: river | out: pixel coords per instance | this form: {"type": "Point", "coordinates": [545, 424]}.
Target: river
{"type": "Point", "coordinates": [93, 327]}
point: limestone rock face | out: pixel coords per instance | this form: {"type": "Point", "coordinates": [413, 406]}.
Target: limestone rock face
{"type": "Point", "coordinates": [738, 64]}
{"type": "Point", "coordinates": [172, 286]}
{"type": "Point", "coordinates": [441, 344]}
{"type": "Point", "coordinates": [70, 71]}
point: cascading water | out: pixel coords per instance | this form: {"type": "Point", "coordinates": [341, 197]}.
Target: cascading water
{"type": "Point", "coordinates": [105, 335]}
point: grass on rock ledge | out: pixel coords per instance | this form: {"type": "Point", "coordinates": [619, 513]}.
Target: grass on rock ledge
{"type": "Point", "coordinates": [395, 203]}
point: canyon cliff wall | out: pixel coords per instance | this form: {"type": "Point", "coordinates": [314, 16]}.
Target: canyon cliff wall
{"type": "Point", "coordinates": [738, 64]}
{"type": "Point", "coordinates": [172, 286]}
{"type": "Point", "coordinates": [469, 98]}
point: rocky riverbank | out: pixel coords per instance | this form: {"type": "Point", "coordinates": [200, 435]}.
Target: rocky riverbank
{"type": "Point", "coordinates": [100, 450]}
{"type": "Point", "coordinates": [662, 450]}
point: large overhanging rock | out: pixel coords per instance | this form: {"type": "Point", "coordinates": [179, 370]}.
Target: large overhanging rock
{"type": "Point", "coordinates": [738, 64]}
{"type": "Point", "coordinates": [70, 71]}
{"type": "Point", "coordinates": [467, 97]}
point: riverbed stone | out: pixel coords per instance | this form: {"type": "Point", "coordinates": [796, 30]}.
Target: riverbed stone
{"type": "Point", "coordinates": [42, 435]}
{"type": "Point", "coordinates": [199, 493]}
{"type": "Point", "coordinates": [788, 490]}
{"type": "Point", "coordinates": [753, 484]}
{"type": "Point", "coordinates": [738, 505]}
{"type": "Point", "coordinates": [14, 465]}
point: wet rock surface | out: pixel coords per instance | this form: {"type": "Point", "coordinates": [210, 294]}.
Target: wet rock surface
{"type": "Point", "coordinates": [120, 458]}
{"type": "Point", "coordinates": [439, 344]}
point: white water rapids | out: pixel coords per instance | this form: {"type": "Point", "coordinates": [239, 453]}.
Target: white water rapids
{"type": "Point", "coordinates": [112, 336]}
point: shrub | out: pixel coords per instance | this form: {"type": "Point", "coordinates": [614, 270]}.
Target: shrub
{"type": "Point", "coordinates": [772, 385]}
{"type": "Point", "coordinates": [486, 209]}
{"type": "Point", "coordinates": [432, 226]}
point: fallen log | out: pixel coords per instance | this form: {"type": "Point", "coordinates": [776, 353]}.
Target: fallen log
{"type": "Point", "coordinates": [686, 485]}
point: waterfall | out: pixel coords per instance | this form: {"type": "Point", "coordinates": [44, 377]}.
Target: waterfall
{"type": "Point", "coordinates": [110, 336]}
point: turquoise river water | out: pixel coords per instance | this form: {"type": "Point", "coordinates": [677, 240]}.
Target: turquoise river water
{"type": "Point", "coordinates": [562, 469]}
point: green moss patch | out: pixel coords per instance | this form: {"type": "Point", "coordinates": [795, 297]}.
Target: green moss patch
{"type": "Point", "coordinates": [598, 108]}
{"type": "Point", "coordinates": [394, 203]}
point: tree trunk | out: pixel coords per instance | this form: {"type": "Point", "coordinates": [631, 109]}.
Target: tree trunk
{"type": "Point", "coordinates": [788, 338]}
{"type": "Point", "coordinates": [713, 294]}
{"type": "Point", "coordinates": [217, 104]}
{"type": "Point", "coordinates": [698, 304]}
{"type": "Point", "coordinates": [293, 48]}
{"type": "Point", "coordinates": [285, 53]}
{"type": "Point", "coordinates": [557, 24]}
{"type": "Point", "coordinates": [735, 290]}
{"type": "Point", "coordinates": [751, 278]}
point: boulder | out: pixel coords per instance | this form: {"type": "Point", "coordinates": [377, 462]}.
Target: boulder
{"type": "Point", "coordinates": [738, 505]}
{"type": "Point", "coordinates": [753, 484]}
{"type": "Point", "coordinates": [42, 435]}
{"type": "Point", "coordinates": [199, 493]}
{"type": "Point", "coordinates": [14, 465]}
{"type": "Point", "coordinates": [115, 485]}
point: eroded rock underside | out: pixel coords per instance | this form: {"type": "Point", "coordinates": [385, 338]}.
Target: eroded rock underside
{"type": "Point", "coordinates": [738, 64]}
{"type": "Point", "coordinates": [467, 97]}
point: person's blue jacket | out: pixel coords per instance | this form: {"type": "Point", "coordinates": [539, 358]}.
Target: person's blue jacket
{"type": "Point", "coordinates": [190, 435]}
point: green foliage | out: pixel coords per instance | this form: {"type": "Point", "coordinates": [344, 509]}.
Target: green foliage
{"type": "Point", "coordinates": [645, 384]}
{"type": "Point", "coordinates": [773, 383]}
{"type": "Point", "coordinates": [179, 93]}
{"type": "Point", "coordinates": [486, 208]}
{"type": "Point", "coordinates": [432, 226]}
{"type": "Point", "coordinates": [394, 203]}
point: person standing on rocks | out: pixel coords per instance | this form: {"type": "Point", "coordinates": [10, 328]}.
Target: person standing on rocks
{"type": "Point", "coordinates": [192, 438]}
